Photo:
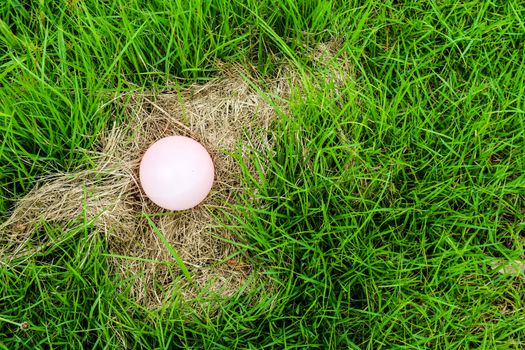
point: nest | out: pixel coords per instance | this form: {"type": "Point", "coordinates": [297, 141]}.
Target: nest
{"type": "Point", "coordinates": [223, 114]}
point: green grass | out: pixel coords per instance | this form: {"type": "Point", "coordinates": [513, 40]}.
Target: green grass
{"type": "Point", "coordinates": [385, 202]}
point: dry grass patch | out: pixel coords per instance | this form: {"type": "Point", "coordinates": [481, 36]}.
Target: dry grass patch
{"type": "Point", "coordinates": [223, 114]}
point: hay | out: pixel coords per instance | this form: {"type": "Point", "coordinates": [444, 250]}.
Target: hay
{"type": "Point", "coordinates": [222, 114]}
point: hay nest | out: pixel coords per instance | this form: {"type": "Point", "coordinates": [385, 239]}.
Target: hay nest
{"type": "Point", "coordinates": [221, 114]}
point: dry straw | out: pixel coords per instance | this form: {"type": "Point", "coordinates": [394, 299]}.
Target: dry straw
{"type": "Point", "coordinates": [223, 114]}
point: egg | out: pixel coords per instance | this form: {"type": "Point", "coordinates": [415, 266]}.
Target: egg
{"type": "Point", "coordinates": [176, 173]}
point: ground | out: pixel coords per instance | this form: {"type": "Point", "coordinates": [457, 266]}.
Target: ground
{"type": "Point", "coordinates": [386, 212]}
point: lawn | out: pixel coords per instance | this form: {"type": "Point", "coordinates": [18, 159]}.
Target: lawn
{"type": "Point", "coordinates": [391, 210]}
